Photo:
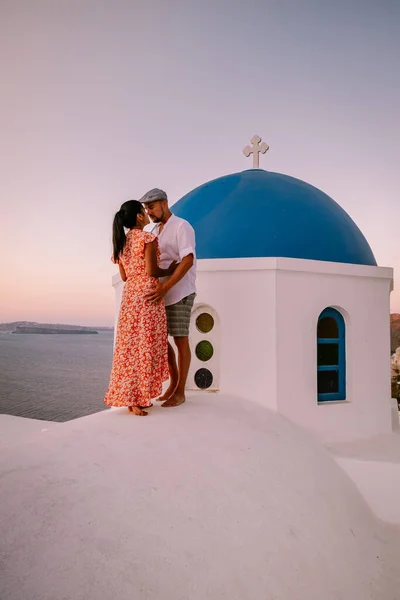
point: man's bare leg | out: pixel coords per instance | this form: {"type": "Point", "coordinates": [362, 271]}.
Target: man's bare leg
{"type": "Point", "coordinates": [173, 375]}
{"type": "Point", "coordinates": [184, 357]}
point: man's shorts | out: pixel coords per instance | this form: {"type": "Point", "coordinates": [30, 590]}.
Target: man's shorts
{"type": "Point", "coordinates": [178, 316]}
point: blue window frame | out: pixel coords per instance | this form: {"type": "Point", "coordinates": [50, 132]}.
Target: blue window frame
{"type": "Point", "coordinates": [331, 356]}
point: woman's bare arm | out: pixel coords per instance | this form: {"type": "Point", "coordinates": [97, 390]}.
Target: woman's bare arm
{"type": "Point", "coordinates": [150, 257]}
{"type": "Point", "coordinates": [122, 272]}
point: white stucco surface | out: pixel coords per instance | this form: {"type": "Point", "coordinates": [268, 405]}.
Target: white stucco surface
{"type": "Point", "coordinates": [362, 297]}
{"type": "Point", "coordinates": [219, 498]}
{"type": "Point", "coordinates": [379, 483]}
{"type": "Point", "coordinates": [269, 309]}
{"type": "Point", "coordinates": [374, 466]}
{"type": "Point", "coordinates": [17, 430]}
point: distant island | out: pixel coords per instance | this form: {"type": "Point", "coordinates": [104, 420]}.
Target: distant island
{"type": "Point", "coordinates": [19, 327]}
{"type": "Point", "coordinates": [51, 330]}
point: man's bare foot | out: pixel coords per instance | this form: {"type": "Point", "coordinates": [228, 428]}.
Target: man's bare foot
{"type": "Point", "coordinates": [137, 411]}
{"type": "Point", "coordinates": [174, 400]}
{"type": "Point", "coordinates": [167, 395]}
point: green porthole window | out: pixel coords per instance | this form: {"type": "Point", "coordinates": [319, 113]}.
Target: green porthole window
{"type": "Point", "coordinates": [204, 350]}
{"type": "Point", "coordinates": [205, 322]}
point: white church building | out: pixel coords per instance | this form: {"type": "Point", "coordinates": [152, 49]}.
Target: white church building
{"type": "Point", "coordinates": [292, 311]}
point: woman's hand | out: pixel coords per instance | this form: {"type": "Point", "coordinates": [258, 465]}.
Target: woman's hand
{"type": "Point", "coordinates": [172, 267]}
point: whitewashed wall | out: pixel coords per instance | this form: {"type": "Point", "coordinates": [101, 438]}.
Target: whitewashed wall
{"type": "Point", "coordinates": [269, 311]}
{"type": "Point", "coordinates": [361, 294]}
{"type": "Point", "coordinates": [245, 303]}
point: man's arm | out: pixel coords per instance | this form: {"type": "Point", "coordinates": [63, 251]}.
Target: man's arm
{"type": "Point", "coordinates": [186, 245]}
{"type": "Point", "coordinates": [180, 271]}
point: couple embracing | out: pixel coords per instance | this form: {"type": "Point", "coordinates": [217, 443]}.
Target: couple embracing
{"type": "Point", "coordinates": [159, 271]}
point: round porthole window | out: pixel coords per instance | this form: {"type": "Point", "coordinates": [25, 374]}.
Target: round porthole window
{"type": "Point", "coordinates": [204, 350]}
{"type": "Point", "coordinates": [204, 322]}
{"type": "Point", "coordinates": [203, 379]}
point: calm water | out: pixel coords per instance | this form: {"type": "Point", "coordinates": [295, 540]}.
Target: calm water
{"type": "Point", "coordinates": [54, 377]}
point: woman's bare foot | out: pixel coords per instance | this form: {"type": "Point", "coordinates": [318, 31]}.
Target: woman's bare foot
{"type": "Point", "coordinates": [175, 400]}
{"type": "Point", "coordinates": [137, 411]}
{"type": "Point", "coordinates": [167, 395]}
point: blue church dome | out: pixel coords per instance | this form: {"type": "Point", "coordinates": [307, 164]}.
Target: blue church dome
{"type": "Point", "coordinates": [257, 213]}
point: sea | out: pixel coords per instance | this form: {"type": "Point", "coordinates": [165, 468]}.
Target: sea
{"type": "Point", "coordinates": [55, 377]}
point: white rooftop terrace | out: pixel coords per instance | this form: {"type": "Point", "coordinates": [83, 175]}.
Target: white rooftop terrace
{"type": "Point", "coordinates": [219, 498]}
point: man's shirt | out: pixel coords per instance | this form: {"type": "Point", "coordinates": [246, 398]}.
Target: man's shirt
{"type": "Point", "coordinates": [176, 241]}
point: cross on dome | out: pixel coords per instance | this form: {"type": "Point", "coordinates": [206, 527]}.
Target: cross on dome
{"type": "Point", "coordinates": [256, 149]}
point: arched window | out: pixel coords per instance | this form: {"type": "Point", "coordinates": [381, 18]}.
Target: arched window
{"type": "Point", "coordinates": [331, 356]}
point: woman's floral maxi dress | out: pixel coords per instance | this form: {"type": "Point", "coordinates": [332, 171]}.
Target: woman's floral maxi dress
{"type": "Point", "coordinates": [140, 363]}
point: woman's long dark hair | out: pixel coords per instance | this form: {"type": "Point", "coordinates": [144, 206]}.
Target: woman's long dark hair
{"type": "Point", "coordinates": [125, 217]}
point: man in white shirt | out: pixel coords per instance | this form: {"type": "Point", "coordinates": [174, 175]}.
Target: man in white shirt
{"type": "Point", "coordinates": [177, 243]}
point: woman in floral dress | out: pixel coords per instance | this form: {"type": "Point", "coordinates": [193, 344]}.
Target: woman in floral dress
{"type": "Point", "coordinates": [140, 363]}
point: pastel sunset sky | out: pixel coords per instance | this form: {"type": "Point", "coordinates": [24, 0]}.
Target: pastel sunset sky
{"type": "Point", "coordinates": [104, 99]}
